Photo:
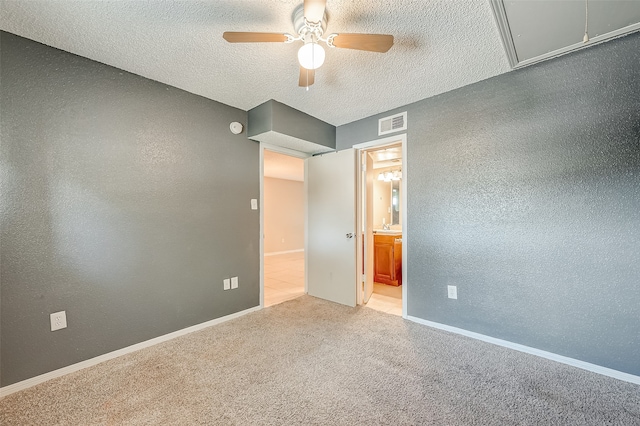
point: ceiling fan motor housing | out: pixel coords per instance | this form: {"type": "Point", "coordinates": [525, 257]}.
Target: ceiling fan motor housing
{"type": "Point", "coordinates": [301, 25]}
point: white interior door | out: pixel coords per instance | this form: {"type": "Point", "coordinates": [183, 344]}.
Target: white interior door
{"type": "Point", "coordinates": [331, 227]}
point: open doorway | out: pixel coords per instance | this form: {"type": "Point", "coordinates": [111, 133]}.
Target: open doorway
{"type": "Point", "coordinates": [283, 227]}
{"type": "Point", "coordinates": [382, 209]}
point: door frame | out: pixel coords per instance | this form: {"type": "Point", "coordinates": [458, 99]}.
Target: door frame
{"type": "Point", "coordinates": [369, 146]}
{"type": "Point", "coordinates": [291, 153]}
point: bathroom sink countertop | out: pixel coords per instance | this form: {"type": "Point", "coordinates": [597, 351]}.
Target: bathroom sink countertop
{"type": "Point", "coordinates": [387, 231]}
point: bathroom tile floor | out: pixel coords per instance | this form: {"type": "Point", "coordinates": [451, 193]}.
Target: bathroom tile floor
{"type": "Point", "coordinates": [386, 298]}
{"type": "Point", "coordinates": [283, 277]}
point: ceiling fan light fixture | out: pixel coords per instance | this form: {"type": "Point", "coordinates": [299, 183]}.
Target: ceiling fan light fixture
{"type": "Point", "coordinates": [310, 23]}
{"type": "Point", "coordinates": [311, 56]}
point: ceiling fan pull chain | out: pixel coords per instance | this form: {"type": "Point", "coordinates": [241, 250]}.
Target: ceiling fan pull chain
{"type": "Point", "coordinates": [585, 39]}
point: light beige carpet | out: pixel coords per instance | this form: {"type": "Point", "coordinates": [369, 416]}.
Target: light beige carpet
{"type": "Point", "coordinates": [312, 362]}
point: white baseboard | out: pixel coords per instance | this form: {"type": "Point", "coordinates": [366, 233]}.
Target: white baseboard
{"type": "Point", "coordinates": [275, 253]}
{"type": "Point", "coordinates": [533, 351]}
{"type": "Point", "coordinates": [7, 390]}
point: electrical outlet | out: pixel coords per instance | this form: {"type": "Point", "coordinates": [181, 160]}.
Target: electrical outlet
{"type": "Point", "coordinates": [452, 291]}
{"type": "Point", "coordinates": [254, 204]}
{"type": "Point", "coordinates": [58, 320]}
{"type": "Point", "coordinates": [227, 284]}
{"type": "Point", "coordinates": [234, 282]}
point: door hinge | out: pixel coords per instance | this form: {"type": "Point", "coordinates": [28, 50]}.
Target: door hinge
{"type": "Point", "coordinates": [364, 278]}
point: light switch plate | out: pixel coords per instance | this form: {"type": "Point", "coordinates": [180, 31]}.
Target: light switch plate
{"type": "Point", "coordinates": [452, 291]}
{"type": "Point", "coordinates": [227, 284]}
{"type": "Point", "coordinates": [254, 204]}
{"type": "Point", "coordinates": [234, 282]}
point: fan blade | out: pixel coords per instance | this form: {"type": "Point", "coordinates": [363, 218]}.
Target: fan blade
{"type": "Point", "coordinates": [240, 37]}
{"type": "Point", "coordinates": [371, 42]}
{"type": "Point", "coordinates": [307, 77]}
{"type": "Point", "coordinates": [314, 10]}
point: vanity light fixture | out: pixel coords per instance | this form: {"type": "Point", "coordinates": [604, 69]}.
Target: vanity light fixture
{"type": "Point", "coordinates": [389, 176]}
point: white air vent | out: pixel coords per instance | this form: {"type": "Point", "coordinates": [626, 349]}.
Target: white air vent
{"type": "Point", "coordinates": [391, 124]}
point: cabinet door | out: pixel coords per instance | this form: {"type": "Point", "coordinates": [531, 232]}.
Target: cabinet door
{"type": "Point", "coordinates": [397, 254]}
{"type": "Point", "coordinates": [384, 263]}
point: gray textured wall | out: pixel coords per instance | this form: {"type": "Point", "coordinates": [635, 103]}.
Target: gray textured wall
{"type": "Point", "coordinates": [125, 202]}
{"type": "Point", "coordinates": [300, 125]}
{"type": "Point", "coordinates": [524, 191]}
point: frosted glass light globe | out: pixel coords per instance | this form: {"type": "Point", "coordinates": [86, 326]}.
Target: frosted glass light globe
{"type": "Point", "coordinates": [311, 56]}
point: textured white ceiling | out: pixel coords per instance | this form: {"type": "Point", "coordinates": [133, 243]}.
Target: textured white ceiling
{"type": "Point", "coordinates": [439, 45]}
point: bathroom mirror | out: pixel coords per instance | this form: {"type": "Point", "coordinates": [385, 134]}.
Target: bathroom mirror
{"type": "Point", "coordinates": [387, 198]}
{"type": "Point", "coordinates": [395, 202]}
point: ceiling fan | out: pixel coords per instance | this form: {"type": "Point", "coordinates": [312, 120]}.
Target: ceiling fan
{"type": "Point", "coordinates": [310, 22]}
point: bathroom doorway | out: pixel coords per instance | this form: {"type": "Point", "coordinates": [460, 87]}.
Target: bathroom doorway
{"type": "Point", "coordinates": [381, 214]}
{"type": "Point", "coordinates": [283, 226]}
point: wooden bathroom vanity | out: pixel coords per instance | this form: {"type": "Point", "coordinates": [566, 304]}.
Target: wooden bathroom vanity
{"type": "Point", "coordinates": [387, 258]}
